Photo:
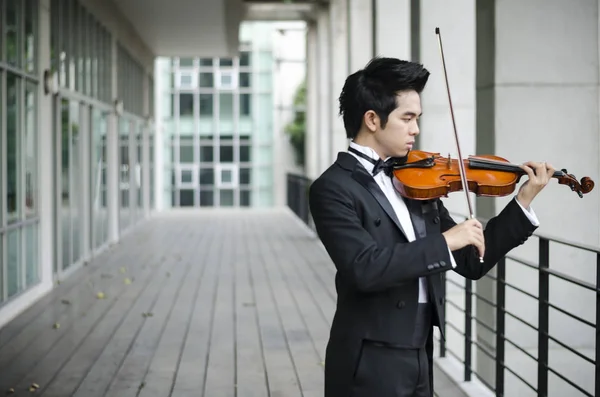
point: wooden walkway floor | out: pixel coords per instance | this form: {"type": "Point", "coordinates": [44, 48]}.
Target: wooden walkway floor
{"type": "Point", "coordinates": [215, 304]}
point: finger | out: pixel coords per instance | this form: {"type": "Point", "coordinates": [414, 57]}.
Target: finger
{"type": "Point", "coordinates": [528, 170]}
{"type": "Point", "coordinates": [550, 170]}
{"type": "Point", "coordinates": [481, 245]}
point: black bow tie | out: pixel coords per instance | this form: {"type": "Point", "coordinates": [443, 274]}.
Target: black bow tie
{"type": "Point", "coordinates": [380, 165]}
{"type": "Point", "coordinates": [386, 166]}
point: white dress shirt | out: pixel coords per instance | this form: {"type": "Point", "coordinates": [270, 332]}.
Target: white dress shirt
{"type": "Point", "coordinates": [399, 206]}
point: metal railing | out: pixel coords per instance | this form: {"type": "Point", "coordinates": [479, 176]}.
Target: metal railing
{"type": "Point", "coordinates": [297, 200]}
{"type": "Point", "coordinates": [544, 275]}
{"type": "Point", "coordinates": [297, 196]}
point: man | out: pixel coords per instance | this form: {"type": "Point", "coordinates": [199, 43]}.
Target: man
{"type": "Point", "coordinates": [389, 251]}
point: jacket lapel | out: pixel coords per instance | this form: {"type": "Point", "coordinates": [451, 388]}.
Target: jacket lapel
{"type": "Point", "coordinates": [415, 209]}
{"type": "Point", "coordinates": [364, 178]}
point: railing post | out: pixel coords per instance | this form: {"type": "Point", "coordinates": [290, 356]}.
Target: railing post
{"type": "Point", "coordinates": [443, 325]}
{"type": "Point", "coordinates": [468, 328]}
{"type": "Point", "coordinates": [543, 312]}
{"type": "Point", "coordinates": [500, 327]}
{"type": "Point", "coordinates": [597, 330]}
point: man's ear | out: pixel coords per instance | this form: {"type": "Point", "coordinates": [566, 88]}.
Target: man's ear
{"type": "Point", "coordinates": [371, 121]}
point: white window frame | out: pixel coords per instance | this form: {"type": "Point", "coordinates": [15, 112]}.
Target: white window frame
{"type": "Point", "coordinates": [194, 76]}
{"type": "Point", "coordinates": [219, 168]}
{"type": "Point", "coordinates": [178, 174]}
{"type": "Point", "coordinates": [234, 79]}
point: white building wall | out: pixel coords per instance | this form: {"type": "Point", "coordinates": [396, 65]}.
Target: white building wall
{"type": "Point", "coordinates": [524, 85]}
{"type": "Point", "coordinates": [107, 13]}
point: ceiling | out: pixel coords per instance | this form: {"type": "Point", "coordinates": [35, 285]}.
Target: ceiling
{"type": "Point", "coordinates": [186, 27]}
{"type": "Point", "coordinates": [202, 27]}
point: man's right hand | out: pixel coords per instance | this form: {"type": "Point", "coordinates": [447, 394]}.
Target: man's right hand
{"type": "Point", "coordinates": [470, 232]}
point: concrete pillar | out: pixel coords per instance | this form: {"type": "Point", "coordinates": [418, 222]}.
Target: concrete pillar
{"type": "Point", "coordinates": [437, 133]}
{"type": "Point", "coordinates": [313, 130]}
{"type": "Point", "coordinates": [146, 149]}
{"type": "Point", "coordinates": [112, 157]}
{"type": "Point", "coordinates": [537, 99]}
{"type": "Point", "coordinates": [392, 29]}
{"type": "Point", "coordinates": [324, 86]}
{"type": "Point", "coordinates": [360, 33]}
{"type": "Point", "coordinates": [339, 72]}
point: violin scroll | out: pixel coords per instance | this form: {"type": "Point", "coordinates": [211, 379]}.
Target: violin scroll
{"type": "Point", "coordinates": [564, 178]}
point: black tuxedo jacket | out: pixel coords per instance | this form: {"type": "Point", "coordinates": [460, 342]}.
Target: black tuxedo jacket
{"type": "Point", "coordinates": [378, 269]}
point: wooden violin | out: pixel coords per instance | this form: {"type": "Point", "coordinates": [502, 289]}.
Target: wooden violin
{"type": "Point", "coordinates": [427, 175]}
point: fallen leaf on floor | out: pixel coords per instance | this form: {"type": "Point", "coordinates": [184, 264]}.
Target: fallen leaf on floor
{"type": "Point", "coordinates": [65, 302]}
{"type": "Point", "coordinates": [100, 295]}
{"type": "Point", "coordinates": [322, 363]}
{"type": "Point", "coordinates": [141, 386]}
{"type": "Point", "coordinates": [127, 281]}
{"type": "Point", "coordinates": [148, 314]}
{"type": "Point", "coordinates": [123, 270]}
{"type": "Point", "coordinates": [56, 326]}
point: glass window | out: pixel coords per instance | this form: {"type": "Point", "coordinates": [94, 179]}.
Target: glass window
{"type": "Point", "coordinates": [186, 62]}
{"type": "Point", "coordinates": [227, 79]}
{"type": "Point", "coordinates": [244, 198]}
{"type": "Point", "coordinates": [187, 80]}
{"type": "Point", "coordinates": [244, 154]}
{"type": "Point", "coordinates": [225, 62]}
{"type": "Point", "coordinates": [206, 79]}
{"type": "Point", "coordinates": [206, 105]}
{"type": "Point", "coordinates": [206, 62]}
{"type": "Point", "coordinates": [30, 39]}
{"type": "Point", "coordinates": [245, 58]}
{"type": "Point", "coordinates": [30, 142]}
{"type": "Point", "coordinates": [13, 198]}
{"type": "Point", "coordinates": [186, 153]}
{"type": "Point", "coordinates": [11, 33]}
{"type": "Point", "coordinates": [226, 198]}
{"type": "Point", "coordinates": [186, 198]}
{"type": "Point", "coordinates": [245, 175]}
{"type": "Point", "coordinates": [245, 80]}
{"type": "Point", "coordinates": [206, 154]}
{"type": "Point", "coordinates": [245, 104]}
{"type": "Point", "coordinates": [207, 176]}
{"type": "Point", "coordinates": [186, 104]}
{"type": "Point", "coordinates": [226, 154]}
{"type": "Point", "coordinates": [206, 198]}
{"type": "Point", "coordinates": [226, 106]}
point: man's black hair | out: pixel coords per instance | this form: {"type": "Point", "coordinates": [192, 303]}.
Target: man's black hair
{"type": "Point", "coordinates": [375, 88]}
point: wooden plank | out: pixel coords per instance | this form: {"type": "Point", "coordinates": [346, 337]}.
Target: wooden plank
{"type": "Point", "coordinates": [242, 302]}
{"type": "Point", "coordinates": [78, 280]}
{"type": "Point", "coordinates": [304, 354]}
{"type": "Point", "coordinates": [99, 378]}
{"type": "Point", "coordinates": [160, 377]}
{"type": "Point", "coordinates": [190, 377]}
{"type": "Point", "coordinates": [74, 371]}
{"type": "Point", "coordinates": [220, 376]}
{"type": "Point", "coordinates": [251, 374]}
{"type": "Point", "coordinates": [130, 376]}
{"type": "Point", "coordinates": [282, 377]}
{"type": "Point", "coordinates": [35, 351]}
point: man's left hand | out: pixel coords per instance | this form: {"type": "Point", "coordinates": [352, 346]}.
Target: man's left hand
{"type": "Point", "coordinates": [539, 176]}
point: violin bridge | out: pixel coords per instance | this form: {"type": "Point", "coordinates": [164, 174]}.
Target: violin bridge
{"type": "Point", "coordinates": [449, 163]}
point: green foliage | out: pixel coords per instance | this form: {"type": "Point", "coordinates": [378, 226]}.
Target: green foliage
{"type": "Point", "coordinates": [296, 130]}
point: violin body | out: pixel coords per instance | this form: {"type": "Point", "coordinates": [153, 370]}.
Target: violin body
{"type": "Point", "coordinates": [427, 175]}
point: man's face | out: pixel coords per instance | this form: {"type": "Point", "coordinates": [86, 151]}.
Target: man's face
{"type": "Point", "coordinates": [398, 136]}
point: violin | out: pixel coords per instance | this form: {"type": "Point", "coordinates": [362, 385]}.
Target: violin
{"type": "Point", "coordinates": [427, 175]}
